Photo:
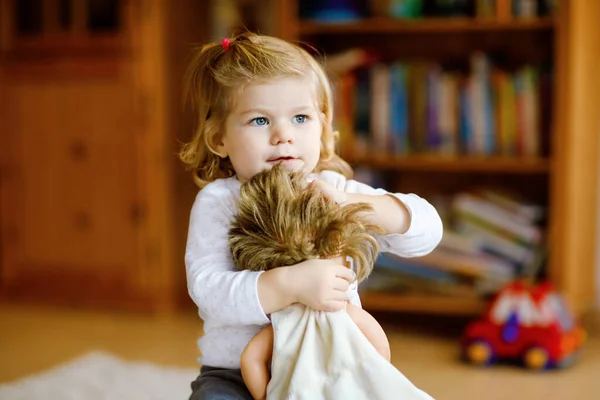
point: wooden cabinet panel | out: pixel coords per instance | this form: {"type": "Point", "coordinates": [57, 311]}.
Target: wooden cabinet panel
{"type": "Point", "coordinates": [76, 169]}
{"type": "Point", "coordinates": [71, 197]}
{"type": "Point", "coordinates": [94, 203]}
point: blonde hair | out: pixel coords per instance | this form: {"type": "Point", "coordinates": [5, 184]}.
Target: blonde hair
{"type": "Point", "coordinates": [282, 221]}
{"type": "Point", "coordinates": [214, 77]}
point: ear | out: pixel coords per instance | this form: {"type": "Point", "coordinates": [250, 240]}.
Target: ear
{"type": "Point", "coordinates": [218, 145]}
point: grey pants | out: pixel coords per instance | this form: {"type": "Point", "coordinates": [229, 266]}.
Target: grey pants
{"type": "Point", "coordinates": [219, 384]}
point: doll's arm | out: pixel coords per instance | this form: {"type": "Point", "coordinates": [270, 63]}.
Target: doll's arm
{"type": "Point", "coordinates": [255, 363]}
{"type": "Point", "coordinates": [371, 329]}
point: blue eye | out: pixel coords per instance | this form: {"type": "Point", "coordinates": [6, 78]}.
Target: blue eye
{"type": "Point", "coordinates": [300, 119]}
{"type": "Point", "coordinates": [259, 121]}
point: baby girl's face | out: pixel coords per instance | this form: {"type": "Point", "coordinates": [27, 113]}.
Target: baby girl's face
{"type": "Point", "coordinates": [273, 121]}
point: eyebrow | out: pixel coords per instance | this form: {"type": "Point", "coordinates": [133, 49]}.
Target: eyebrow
{"type": "Point", "coordinates": [263, 111]}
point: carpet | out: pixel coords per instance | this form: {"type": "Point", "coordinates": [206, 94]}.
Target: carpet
{"type": "Point", "coordinates": [102, 376]}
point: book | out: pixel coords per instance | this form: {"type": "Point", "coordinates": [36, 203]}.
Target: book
{"type": "Point", "coordinates": [495, 244]}
{"type": "Point", "coordinates": [469, 265]}
{"type": "Point", "coordinates": [380, 108]}
{"type": "Point", "coordinates": [495, 218]}
{"type": "Point", "coordinates": [412, 267]}
{"type": "Point", "coordinates": [416, 106]}
{"type": "Point", "coordinates": [520, 208]}
{"type": "Point", "coordinates": [461, 242]}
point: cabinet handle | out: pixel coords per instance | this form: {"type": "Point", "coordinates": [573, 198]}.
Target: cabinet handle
{"type": "Point", "coordinates": [137, 213]}
{"type": "Point", "coordinates": [83, 221]}
{"type": "Point", "coordinates": [79, 151]}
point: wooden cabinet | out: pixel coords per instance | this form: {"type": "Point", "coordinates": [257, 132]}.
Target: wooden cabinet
{"type": "Point", "coordinates": [563, 177]}
{"type": "Point", "coordinates": [94, 201]}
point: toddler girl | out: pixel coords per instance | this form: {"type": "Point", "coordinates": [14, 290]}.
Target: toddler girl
{"type": "Point", "coordinates": [261, 101]}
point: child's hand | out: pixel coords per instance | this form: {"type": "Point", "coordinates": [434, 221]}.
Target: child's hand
{"type": "Point", "coordinates": [389, 213]}
{"type": "Point", "coordinates": [321, 284]}
{"type": "Point", "coordinates": [331, 191]}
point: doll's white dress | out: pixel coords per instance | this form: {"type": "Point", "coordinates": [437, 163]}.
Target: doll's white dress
{"type": "Point", "coordinates": [321, 355]}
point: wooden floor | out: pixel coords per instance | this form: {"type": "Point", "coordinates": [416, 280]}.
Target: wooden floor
{"type": "Point", "coordinates": [33, 339]}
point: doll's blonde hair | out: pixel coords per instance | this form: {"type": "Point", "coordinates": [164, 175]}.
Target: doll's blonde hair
{"type": "Point", "coordinates": [282, 220]}
{"type": "Point", "coordinates": [216, 75]}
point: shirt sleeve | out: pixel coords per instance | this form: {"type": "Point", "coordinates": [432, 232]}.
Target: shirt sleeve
{"type": "Point", "coordinates": [221, 293]}
{"type": "Point", "coordinates": [425, 230]}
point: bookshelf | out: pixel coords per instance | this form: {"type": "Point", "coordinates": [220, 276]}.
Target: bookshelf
{"type": "Point", "coordinates": [384, 25]}
{"type": "Point", "coordinates": [561, 175]}
{"type": "Point", "coordinates": [422, 303]}
{"type": "Point", "coordinates": [451, 164]}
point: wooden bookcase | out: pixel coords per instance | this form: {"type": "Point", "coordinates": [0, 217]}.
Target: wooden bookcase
{"type": "Point", "coordinates": [75, 106]}
{"type": "Point", "coordinates": [564, 177]}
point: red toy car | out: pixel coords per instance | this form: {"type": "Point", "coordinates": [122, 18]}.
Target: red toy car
{"type": "Point", "coordinates": [525, 323]}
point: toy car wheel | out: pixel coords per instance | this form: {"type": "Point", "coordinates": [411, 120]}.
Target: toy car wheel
{"type": "Point", "coordinates": [536, 358]}
{"type": "Point", "coordinates": [479, 352]}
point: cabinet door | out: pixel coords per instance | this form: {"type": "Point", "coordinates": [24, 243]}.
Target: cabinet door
{"type": "Point", "coordinates": [70, 211]}
{"type": "Point", "coordinates": [69, 190]}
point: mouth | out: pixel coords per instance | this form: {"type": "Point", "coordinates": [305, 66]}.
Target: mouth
{"type": "Point", "coordinates": [281, 159]}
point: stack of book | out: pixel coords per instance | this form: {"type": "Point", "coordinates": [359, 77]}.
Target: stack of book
{"type": "Point", "coordinates": [490, 239]}
{"type": "Point", "coordinates": [409, 107]}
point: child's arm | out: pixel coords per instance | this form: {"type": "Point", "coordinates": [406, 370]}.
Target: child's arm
{"type": "Point", "coordinates": [413, 226]}
{"type": "Point", "coordinates": [255, 362]}
{"type": "Point", "coordinates": [371, 329]}
{"type": "Point", "coordinates": [245, 297]}
{"type": "Point", "coordinates": [223, 295]}
{"type": "Point", "coordinates": [390, 214]}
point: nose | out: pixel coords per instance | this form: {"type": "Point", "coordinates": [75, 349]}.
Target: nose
{"type": "Point", "coordinates": [282, 133]}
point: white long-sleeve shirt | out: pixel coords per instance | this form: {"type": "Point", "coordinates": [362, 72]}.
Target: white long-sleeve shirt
{"type": "Point", "coordinates": [227, 299]}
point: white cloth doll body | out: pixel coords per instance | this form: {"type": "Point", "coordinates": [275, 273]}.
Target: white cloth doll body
{"type": "Point", "coordinates": [320, 355]}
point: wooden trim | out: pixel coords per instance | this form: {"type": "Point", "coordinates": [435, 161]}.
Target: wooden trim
{"type": "Point", "coordinates": [574, 183]}
{"type": "Point", "coordinates": [155, 272]}
{"type": "Point", "coordinates": [558, 195]}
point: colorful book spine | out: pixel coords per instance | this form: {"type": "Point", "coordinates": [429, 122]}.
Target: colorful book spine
{"type": "Point", "coordinates": [418, 107]}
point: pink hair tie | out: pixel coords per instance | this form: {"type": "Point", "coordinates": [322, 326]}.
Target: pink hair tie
{"type": "Point", "coordinates": [225, 43]}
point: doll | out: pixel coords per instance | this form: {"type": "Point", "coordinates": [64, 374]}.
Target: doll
{"type": "Point", "coordinates": [308, 354]}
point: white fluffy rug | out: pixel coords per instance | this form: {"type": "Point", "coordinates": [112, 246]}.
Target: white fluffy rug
{"type": "Point", "coordinates": [101, 376]}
